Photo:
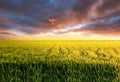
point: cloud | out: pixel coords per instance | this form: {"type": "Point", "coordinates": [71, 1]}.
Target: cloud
{"type": "Point", "coordinates": [103, 26]}
{"type": "Point", "coordinates": [108, 6]}
{"type": "Point", "coordinates": [42, 16]}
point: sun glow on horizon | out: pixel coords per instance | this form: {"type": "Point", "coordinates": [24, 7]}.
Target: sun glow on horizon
{"type": "Point", "coordinates": [66, 33]}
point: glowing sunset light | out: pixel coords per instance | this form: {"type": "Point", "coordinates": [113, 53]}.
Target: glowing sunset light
{"type": "Point", "coordinates": [69, 28]}
{"type": "Point", "coordinates": [52, 19]}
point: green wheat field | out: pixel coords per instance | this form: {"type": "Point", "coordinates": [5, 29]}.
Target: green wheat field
{"type": "Point", "coordinates": [60, 61]}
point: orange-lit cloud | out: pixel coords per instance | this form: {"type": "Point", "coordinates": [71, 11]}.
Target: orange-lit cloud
{"type": "Point", "coordinates": [52, 21]}
{"type": "Point", "coordinates": [59, 18]}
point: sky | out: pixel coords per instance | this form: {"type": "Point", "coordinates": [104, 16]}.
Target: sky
{"type": "Point", "coordinates": [59, 19]}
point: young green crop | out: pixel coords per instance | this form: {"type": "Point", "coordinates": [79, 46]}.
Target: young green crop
{"type": "Point", "coordinates": [59, 61]}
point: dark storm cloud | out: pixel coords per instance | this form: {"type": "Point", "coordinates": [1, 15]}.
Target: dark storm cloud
{"type": "Point", "coordinates": [33, 13]}
{"type": "Point", "coordinates": [106, 26]}
{"type": "Point", "coordinates": [82, 8]}
{"type": "Point", "coordinates": [107, 22]}
{"type": "Point", "coordinates": [36, 16]}
{"type": "Point", "coordinates": [108, 5]}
